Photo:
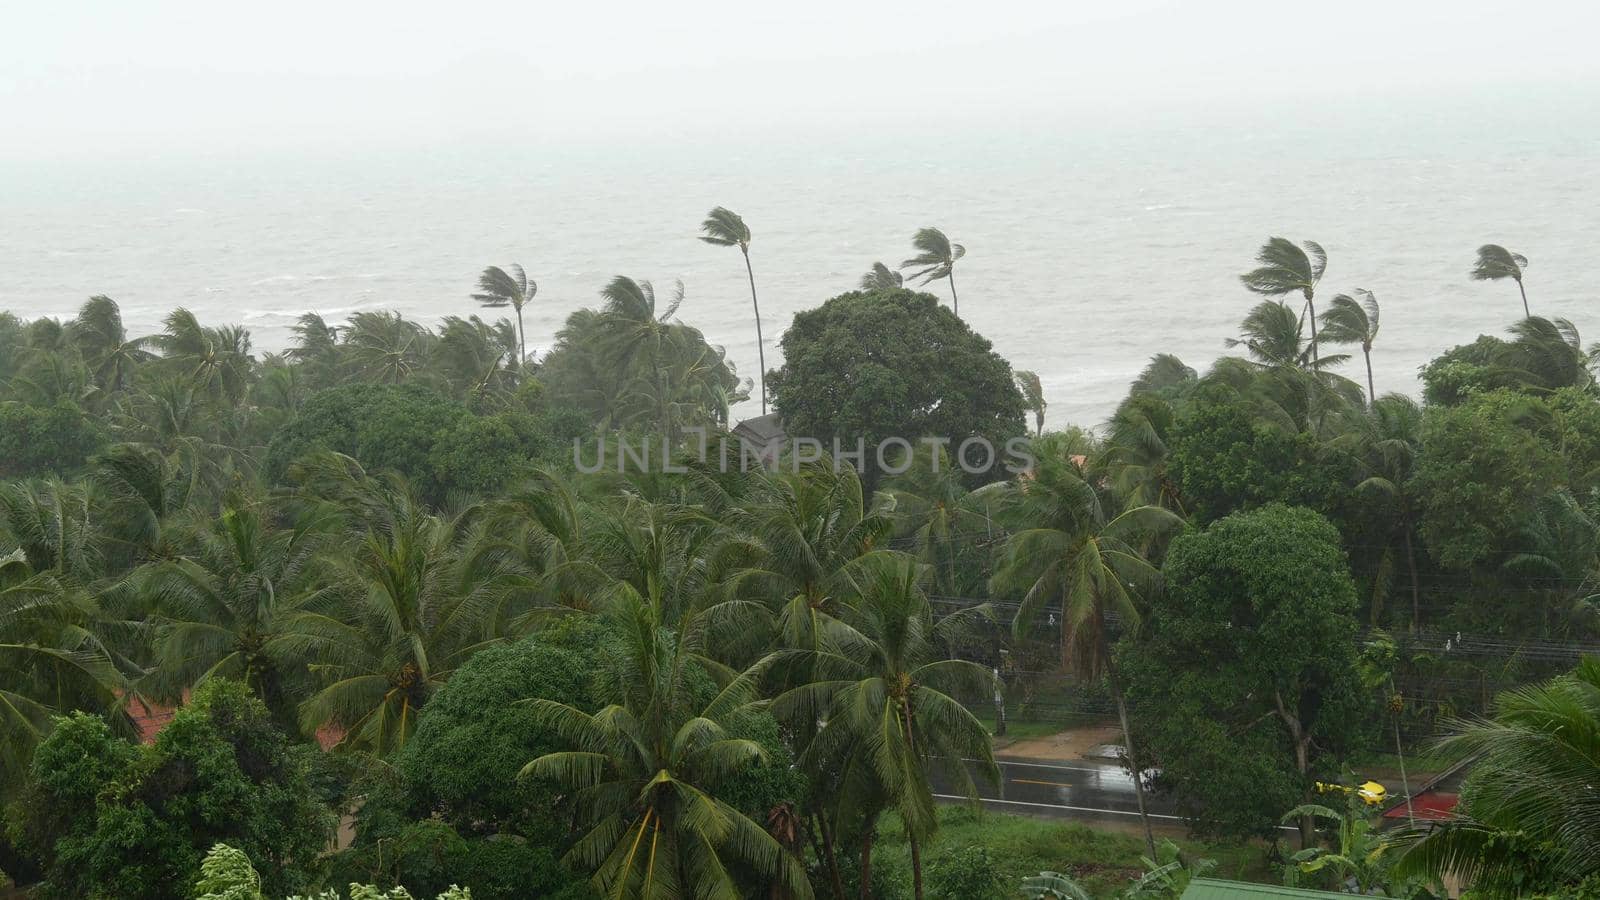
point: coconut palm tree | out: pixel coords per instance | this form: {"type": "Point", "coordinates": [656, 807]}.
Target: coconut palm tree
{"type": "Point", "coordinates": [1349, 320]}
{"type": "Point", "coordinates": [1135, 453]}
{"type": "Point", "coordinates": [399, 619]}
{"type": "Point", "coordinates": [937, 259]}
{"type": "Point", "coordinates": [1078, 557]}
{"type": "Point", "coordinates": [228, 589]}
{"type": "Point", "coordinates": [499, 288]}
{"type": "Point", "coordinates": [646, 772]}
{"type": "Point", "coordinates": [938, 515]}
{"type": "Point", "coordinates": [1496, 262]}
{"type": "Point", "coordinates": [639, 336]}
{"type": "Point", "coordinates": [478, 359]}
{"type": "Point", "coordinates": [217, 360]}
{"type": "Point", "coordinates": [800, 542]}
{"type": "Point", "coordinates": [886, 687]}
{"type": "Point", "coordinates": [1271, 333]}
{"type": "Point", "coordinates": [386, 347]}
{"type": "Point", "coordinates": [53, 658]}
{"type": "Point", "coordinates": [108, 351]}
{"type": "Point", "coordinates": [315, 349]}
{"type": "Point", "coordinates": [725, 228]}
{"type": "Point", "coordinates": [1287, 268]}
{"type": "Point", "coordinates": [882, 278]}
{"type": "Point", "coordinates": [1387, 445]}
{"type": "Point", "coordinates": [1545, 354]}
{"type": "Point", "coordinates": [1032, 397]}
{"type": "Point", "coordinates": [1532, 786]}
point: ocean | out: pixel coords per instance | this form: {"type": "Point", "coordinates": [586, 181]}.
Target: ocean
{"type": "Point", "coordinates": [1092, 244]}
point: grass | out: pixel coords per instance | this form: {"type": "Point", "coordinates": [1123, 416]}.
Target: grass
{"type": "Point", "coordinates": [1103, 861]}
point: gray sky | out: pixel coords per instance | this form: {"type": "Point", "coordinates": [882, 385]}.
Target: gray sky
{"type": "Point", "coordinates": [105, 78]}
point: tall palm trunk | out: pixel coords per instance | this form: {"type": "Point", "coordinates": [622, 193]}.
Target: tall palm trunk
{"type": "Point", "coordinates": [1311, 308]}
{"type": "Point", "coordinates": [911, 836]}
{"type": "Point", "coordinates": [955, 303]}
{"type": "Point", "coordinates": [868, 831]}
{"type": "Point", "coordinates": [1372, 392]}
{"type": "Point", "coordinates": [1115, 679]}
{"type": "Point", "coordinates": [831, 855]}
{"type": "Point", "coordinates": [1524, 292]}
{"type": "Point", "coordinates": [522, 340]}
{"type": "Point", "coordinates": [761, 350]}
{"type": "Point", "coordinates": [1411, 562]}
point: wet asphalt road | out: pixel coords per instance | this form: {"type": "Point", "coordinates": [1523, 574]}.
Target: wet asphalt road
{"type": "Point", "coordinates": [1077, 789]}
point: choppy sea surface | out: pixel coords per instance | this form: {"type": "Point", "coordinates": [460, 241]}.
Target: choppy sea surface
{"type": "Point", "coordinates": [1091, 245]}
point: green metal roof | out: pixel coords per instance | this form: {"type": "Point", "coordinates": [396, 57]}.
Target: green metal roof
{"type": "Point", "coordinates": [1214, 889]}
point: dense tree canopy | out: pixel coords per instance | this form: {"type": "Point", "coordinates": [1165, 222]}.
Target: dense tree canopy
{"type": "Point", "coordinates": [894, 364]}
{"type": "Point", "coordinates": [1247, 682]}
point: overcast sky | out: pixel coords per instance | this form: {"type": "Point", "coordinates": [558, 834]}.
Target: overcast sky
{"type": "Point", "coordinates": [105, 78]}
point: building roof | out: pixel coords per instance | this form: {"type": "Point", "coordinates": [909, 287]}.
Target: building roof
{"type": "Point", "coordinates": [1217, 889]}
{"type": "Point", "coordinates": [1432, 806]}
{"type": "Point", "coordinates": [761, 430]}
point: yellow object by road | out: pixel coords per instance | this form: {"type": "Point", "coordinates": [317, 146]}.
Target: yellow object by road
{"type": "Point", "coordinates": [1370, 792]}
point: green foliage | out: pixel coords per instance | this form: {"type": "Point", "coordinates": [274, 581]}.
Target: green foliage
{"type": "Point", "coordinates": [894, 364]}
{"type": "Point", "coordinates": [218, 772]}
{"type": "Point", "coordinates": [475, 734]}
{"type": "Point", "coordinates": [42, 441]}
{"type": "Point", "coordinates": [1246, 684]}
{"type": "Point", "coordinates": [965, 874]}
{"type": "Point", "coordinates": [1223, 457]}
{"type": "Point", "coordinates": [1530, 820]}
{"type": "Point", "coordinates": [429, 857]}
{"type": "Point", "coordinates": [381, 426]}
{"type": "Point", "coordinates": [1482, 467]}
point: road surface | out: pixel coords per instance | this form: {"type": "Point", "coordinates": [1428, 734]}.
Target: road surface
{"type": "Point", "coordinates": [1075, 789]}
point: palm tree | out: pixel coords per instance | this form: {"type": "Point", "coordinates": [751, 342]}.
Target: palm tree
{"type": "Point", "coordinates": [217, 360]}
{"type": "Point", "coordinates": [1351, 321]}
{"type": "Point", "coordinates": [1135, 454]}
{"type": "Point", "coordinates": [1032, 397]}
{"type": "Point", "coordinates": [386, 347]}
{"type": "Point", "coordinates": [882, 278]}
{"type": "Point", "coordinates": [638, 336]}
{"type": "Point", "coordinates": [397, 622]}
{"type": "Point", "coordinates": [110, 354]}
{"type": "Point", "coordinates": [1286, 268]}
{"type": "Point", "coordinates": [53, 658]}
{"type": "Point", "coordinates": [646, 772]}
{"type": "Point", "coordinates": [479, 359]}
{"type": "Point", "coordinates": [886, 688]}
{"type": "Point", "coordinates": [498, 288]}
{"type": "Point", "coordinates": [1390, 442]}
{"type": "Point", "coordinates": [801, 542]}
{"type": "Point", "coordinates": [938, 515]}
{"type": "Point", "coordinates": [938, 260]}
{"type": "Point", "coordinates": [1538, 760]}
{"type": "Point", "coordinates": [226, 595]}
{"type": "Point", "coordinates": [725, 228]}
{"type": "Point", "coordinates": [1496, 262]}
{"type": "Point", "coordinates": [1271, 333]}
{"type": "Point", "coordinates": [1075, 553]}
{"type": "Point", "coordinates": [1545, 354]}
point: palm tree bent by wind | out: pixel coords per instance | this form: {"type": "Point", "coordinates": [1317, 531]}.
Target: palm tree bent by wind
{"type": "Point", "coordinates": [499, 288]}
{"type": "Point", "coordinates": [725, 228]}
{"type": "Point", "coordinates": [882, 278]}
{"type": "Point", "coordinates": [937, 259]}
{"type": "Point", "coordinates": [1349, 321]}
{"type": "Point", "coordinates": [1496, 262]}
{"type": "Point", "coordinates": [1286, 268]}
